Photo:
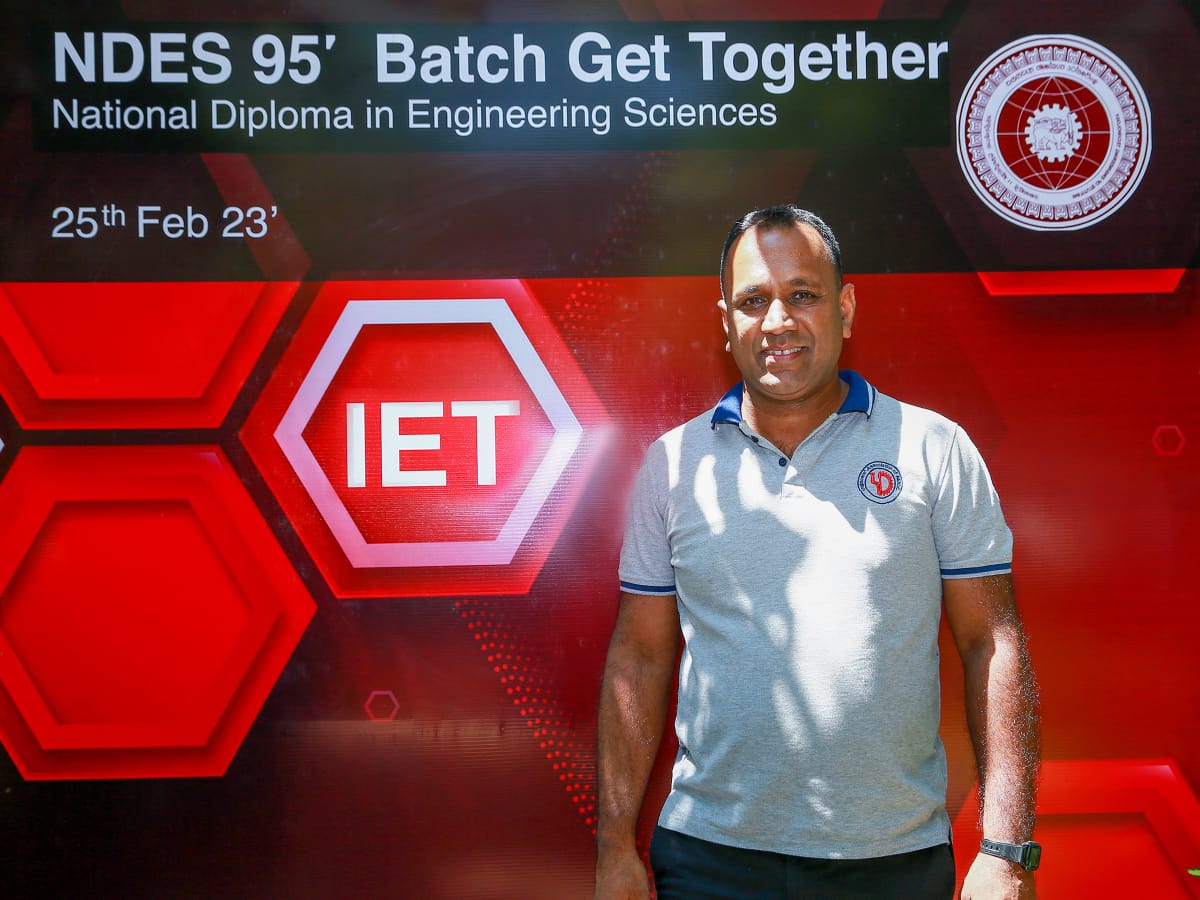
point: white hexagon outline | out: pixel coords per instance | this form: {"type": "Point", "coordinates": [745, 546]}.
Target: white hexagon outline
{"type": "Point", "coordinates": [290, 433]}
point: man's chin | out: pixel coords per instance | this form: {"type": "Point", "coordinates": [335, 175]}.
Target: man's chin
{"type": "Point", "coordinates": [779, 391]}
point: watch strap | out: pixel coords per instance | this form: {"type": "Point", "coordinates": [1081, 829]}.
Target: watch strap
{"type": "Point", "coordinates": [1027, 855]}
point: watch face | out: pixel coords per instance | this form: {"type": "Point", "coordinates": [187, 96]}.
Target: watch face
{"type": "Point", "coordinates": [1031, 855]}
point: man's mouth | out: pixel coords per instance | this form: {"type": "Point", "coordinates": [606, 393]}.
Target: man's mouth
{"type": "Point", "coordinates": [783, 353]}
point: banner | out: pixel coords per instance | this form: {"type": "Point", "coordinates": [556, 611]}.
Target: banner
{"type": "Point", "coordinates": [331, 339]}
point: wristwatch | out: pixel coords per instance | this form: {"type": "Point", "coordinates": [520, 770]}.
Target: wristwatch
{"type": "Point", "coordinates": [1027, 855]}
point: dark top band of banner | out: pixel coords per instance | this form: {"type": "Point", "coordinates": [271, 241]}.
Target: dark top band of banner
{"type": "Point", "coordinates": [398, 87]}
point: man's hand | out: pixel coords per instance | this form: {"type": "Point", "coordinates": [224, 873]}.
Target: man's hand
{"type": "Point", "coordinates": [621, 875]}
{"type": "Point", "coordinates": [992, 878]}
{"type": "Point", "coordinates": [634, 699]}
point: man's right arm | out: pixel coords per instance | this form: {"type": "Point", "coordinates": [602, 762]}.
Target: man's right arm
{"type": "Point", "coordinates": [634, 700]}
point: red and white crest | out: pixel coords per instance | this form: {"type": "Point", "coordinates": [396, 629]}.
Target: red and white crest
{"type": "Point", "coordinates": [1053, 132]}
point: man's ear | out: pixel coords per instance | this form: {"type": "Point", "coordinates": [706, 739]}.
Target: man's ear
{"type": "Point", "coordinates": [846, 304]}
{"type": "Point", "coordinates": [724, 311]}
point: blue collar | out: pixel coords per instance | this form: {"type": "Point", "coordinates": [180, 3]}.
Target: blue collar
{"type": "Point", "coordinates": [860, 398]}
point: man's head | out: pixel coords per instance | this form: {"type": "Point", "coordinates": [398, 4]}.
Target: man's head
{"type": "Point", "coordinates": [782, 215]}
{"type": "Point", "coordinates": [785, 309]}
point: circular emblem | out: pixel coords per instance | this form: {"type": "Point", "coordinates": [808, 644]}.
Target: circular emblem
{"type": "Point", "coordinates": [880, 482]}
{"type": "Point", "coordinates": [1053, 132]}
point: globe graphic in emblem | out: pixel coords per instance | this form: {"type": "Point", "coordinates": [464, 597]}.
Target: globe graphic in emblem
{"type": "Point", "coordinates": [1053, 133]}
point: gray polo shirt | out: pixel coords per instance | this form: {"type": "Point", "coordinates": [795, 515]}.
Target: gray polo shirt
{"type": "Point", "coordinates": [809, 594]}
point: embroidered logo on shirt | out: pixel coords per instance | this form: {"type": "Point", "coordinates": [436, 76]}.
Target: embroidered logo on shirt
{"type": "Point", "coordinates": [880, 482]}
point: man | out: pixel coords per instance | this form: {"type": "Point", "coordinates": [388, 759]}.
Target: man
{"type": "Point", "coordinates": [803, 538]}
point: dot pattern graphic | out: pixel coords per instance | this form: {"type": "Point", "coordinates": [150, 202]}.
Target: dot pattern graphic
{"type": "Point", "coordinates": [533, 691]}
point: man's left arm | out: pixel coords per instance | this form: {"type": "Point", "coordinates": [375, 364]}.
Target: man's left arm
{"type": "Point", "coordinates": [1002, 717]}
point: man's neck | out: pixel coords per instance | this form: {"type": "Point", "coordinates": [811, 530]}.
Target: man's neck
{"type": "Point", "coordinates": [787, 424]}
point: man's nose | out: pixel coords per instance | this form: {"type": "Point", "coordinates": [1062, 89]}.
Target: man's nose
{"type": "Point", "coordinates": [777, 317]}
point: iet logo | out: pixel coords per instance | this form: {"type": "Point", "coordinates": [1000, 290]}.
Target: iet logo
{"type": "Point", "coordinates": [429, 436]}
{"type": "Point", "coordinates": [394, 441]}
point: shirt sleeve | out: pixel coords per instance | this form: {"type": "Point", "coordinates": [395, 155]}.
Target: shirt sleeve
{"type": "Point", "coordinates": [969, 529]}
{"type": "Point", "coordinates": [645, 566]}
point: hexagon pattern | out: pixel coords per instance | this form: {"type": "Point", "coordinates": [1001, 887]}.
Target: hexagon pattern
{"type": "Point", "coordinates": [565, 427]}
{"type": "Point", "coordinates": [145, 608]}
{"type": "Point", "coordinates": [132, 355]}
{"type": "Point", "coordinates": [435, 343]}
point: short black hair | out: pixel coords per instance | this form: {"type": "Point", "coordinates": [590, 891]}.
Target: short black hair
{"type": "Point", "coordinates": [780, 216]}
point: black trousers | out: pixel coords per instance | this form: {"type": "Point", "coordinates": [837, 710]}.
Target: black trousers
{"type": "Point", "coordinates": [687, 868]}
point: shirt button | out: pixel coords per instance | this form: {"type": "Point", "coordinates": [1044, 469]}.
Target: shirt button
{"type": "Point", "coordinates": [783, 461]}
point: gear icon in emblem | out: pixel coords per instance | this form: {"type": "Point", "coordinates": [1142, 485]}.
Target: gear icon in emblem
{"type": "Point", "coordinates": [1053, 133]}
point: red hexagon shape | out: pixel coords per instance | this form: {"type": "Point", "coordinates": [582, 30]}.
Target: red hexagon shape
{"type": "Point", "coordinates": [132, 355]}
{"type": "Point", "coordinates": [1112, 828]}
{"type": "Point", "coordinates": [427, 438]}
{"type": "Point", "coordinates": [381, 706]}
{"type": "Point", "coordinates": [146, 612]}
{"type": "Point", "coordinates": [1168, 440]}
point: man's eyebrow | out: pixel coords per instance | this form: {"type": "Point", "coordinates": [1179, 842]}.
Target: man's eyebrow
{"type": "Point", "coordinates": [748, 289]}
{"type": "Point", "coordinates": [798, 281]}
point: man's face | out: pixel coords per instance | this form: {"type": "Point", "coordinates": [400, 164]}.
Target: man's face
{"type": "Point", "coordinates": [785, 316]}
